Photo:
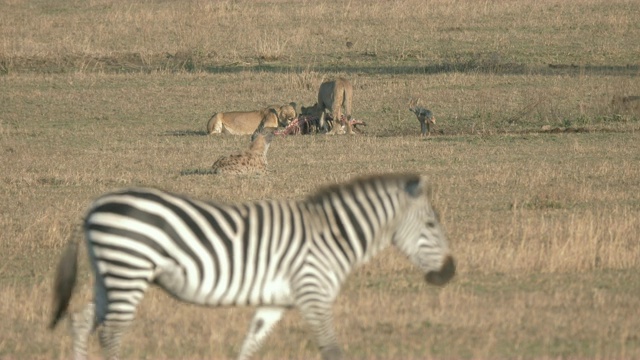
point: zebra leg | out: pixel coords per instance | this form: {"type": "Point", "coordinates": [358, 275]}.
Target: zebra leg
{"type": "Point", "coordinates": [111, 336]}
{"type": "Point", "coordinates": [262, 323]}
{"type": "Point", "coordinates": [82, 324]}
{"type": "Point", "coordinates": [322, 123]}
{"type": "Point", "coordinates": [318, 314]}
{"type": "Point", "coordinates": [115, 310]}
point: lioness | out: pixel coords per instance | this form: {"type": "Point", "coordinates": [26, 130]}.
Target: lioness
{"type": "Point", "coordinates": [286, 113]}
{"type": "Point", "coordinates": [241, 122]}
{"type": "Point", "coordinates": [332, 96]}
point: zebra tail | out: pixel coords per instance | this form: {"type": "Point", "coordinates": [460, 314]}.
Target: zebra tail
{"type": "Point", "coordinates": [64, 282]}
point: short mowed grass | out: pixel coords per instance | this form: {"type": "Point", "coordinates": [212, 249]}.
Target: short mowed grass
{"type": "Point", "coordinates": [535, 170]}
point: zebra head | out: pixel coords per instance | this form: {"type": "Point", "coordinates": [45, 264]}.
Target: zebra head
{"type": "Point", "coordinates": [420, 236]}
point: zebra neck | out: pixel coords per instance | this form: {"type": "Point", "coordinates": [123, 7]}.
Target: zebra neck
{"type": "Point", "coordinates": [351, 238]}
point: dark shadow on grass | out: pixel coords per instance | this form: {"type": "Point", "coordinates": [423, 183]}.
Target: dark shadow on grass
{"type": "Point", "coordinates": [411, 132]}
{"type": "Point", "coordinates": [445, 136]}
{"type": "Point", "coordinates": [471, 62]}
{"type": "Point", "coordinates": [188, 172]}
{"type": "Point", "coordinates": [570, 130]}
{"type": "Point", "coordinates": [184, 133]}
{"type": "Point", "coordinates": [631, 70]}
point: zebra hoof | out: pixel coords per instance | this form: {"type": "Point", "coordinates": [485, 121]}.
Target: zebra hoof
{"type": "Point", "coordinates": [331, 353]}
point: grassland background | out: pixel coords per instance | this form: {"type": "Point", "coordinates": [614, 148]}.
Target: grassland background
{"type": "Point", "coordinates": [536, 175]}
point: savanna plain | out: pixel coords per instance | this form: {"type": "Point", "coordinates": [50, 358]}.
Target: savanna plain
{"type": "Point", "coordinates": [534, 160]}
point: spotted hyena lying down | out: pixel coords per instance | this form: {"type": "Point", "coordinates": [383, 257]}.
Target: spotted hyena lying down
{"type": "Point", "coordinates": [250, 162]}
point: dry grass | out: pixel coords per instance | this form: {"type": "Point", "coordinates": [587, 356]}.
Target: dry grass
{"type": "Point", "coordinates": [406, 35]}
{"type": "Point", "coordinates": [544, 223]}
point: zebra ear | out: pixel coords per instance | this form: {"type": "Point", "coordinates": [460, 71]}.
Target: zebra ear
{"type": "Point", "coordinates": [418, 186]}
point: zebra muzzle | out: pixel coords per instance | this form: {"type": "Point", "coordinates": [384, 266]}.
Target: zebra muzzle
{"type": "Point", "coordinates": [442, 276]}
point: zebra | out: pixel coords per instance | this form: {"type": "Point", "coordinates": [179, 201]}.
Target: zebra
{"type": "Point", "coordinates": [271, 254]}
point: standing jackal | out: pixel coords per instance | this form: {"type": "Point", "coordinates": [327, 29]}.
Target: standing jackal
{"type": "Point", "coordinates": [425, 117]}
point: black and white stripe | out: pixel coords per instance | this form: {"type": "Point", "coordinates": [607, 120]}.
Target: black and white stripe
{"type": "Point", "coordinates": [272, 254]}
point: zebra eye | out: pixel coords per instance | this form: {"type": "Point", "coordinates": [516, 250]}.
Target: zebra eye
{"type": "Point", "coordinates": [431, 224]}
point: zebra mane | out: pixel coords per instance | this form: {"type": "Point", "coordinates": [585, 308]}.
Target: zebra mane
{"type": "Point", "coordinates": [384, 179]}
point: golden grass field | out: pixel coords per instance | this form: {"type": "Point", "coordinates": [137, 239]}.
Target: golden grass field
{"type": "Point", "coordinates": [536, 173]}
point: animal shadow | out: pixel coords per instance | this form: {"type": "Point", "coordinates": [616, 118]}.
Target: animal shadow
{"type": "Point", "coordinates": [188, 172]}
{"type": "Point", "coordinates": [185, 133]}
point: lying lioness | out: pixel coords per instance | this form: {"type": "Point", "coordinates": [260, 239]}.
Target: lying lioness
{"type": "Point", "coordinates": [241, 122]}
